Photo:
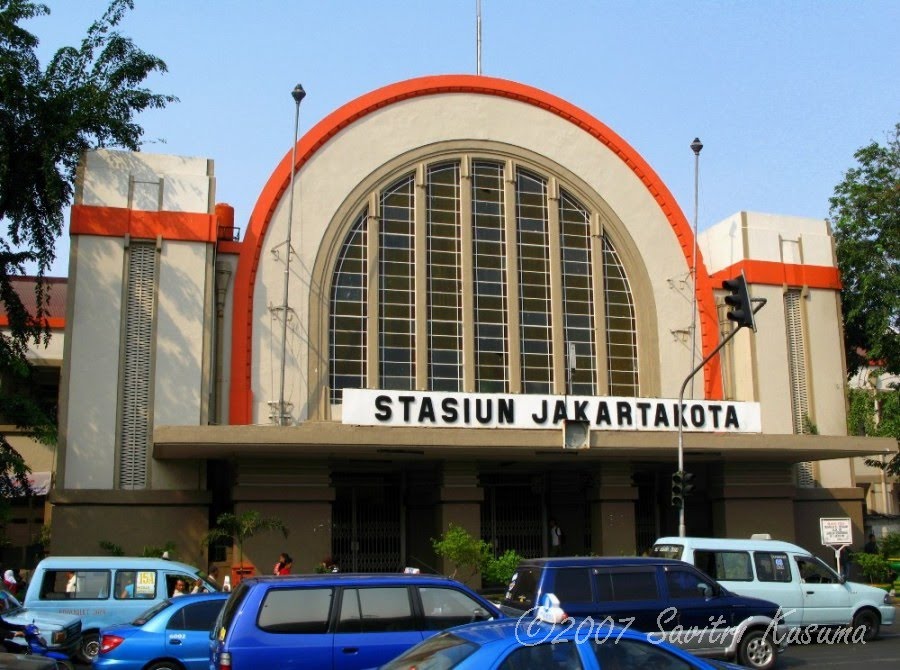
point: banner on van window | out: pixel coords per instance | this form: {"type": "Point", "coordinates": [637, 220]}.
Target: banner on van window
{"type": "Point", "coordinates": [375, 407]}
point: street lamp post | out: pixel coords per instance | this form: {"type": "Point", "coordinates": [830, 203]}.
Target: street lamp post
{"type": "Point", "coordinates": [298, 94]}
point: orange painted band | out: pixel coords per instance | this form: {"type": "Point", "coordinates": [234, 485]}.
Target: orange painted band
{"type": "Point", "coordinates": [120, 221]}
{"type": "Point", "coordinates": [52, 322]}
{"type": "Point", "coordinates": [782, 274]}
{"type": "Point", "coordinates": [241, 356]}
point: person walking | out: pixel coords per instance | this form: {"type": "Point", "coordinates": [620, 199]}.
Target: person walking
{"type": "Point", "coordinates": [556, 538]}
{"type": "Point", "coordinates": [871, 547]}
{"type": "Point", "coordinates": [284, 564]}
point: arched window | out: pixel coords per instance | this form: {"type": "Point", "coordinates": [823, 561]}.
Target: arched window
{"type": "Point", "coordinates": [486, 273]}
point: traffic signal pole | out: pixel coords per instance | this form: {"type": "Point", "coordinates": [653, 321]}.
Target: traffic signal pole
{"type": "Point", "coordinates": [761, 302]}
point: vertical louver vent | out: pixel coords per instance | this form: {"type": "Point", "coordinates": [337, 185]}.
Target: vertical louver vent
{"type": "Point", "coordinates": [797, 369]}
{"type": "Point", "coordinates": [134, 431]}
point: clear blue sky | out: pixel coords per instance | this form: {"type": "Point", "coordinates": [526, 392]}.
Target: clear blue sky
{"type": "Point", "coordinates": [781, 93]}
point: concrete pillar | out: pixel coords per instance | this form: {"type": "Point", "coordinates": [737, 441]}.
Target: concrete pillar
{"type": "Point", "coordinates": [459, 503]}
{"type": "Point", "coordinates": [612, 511]}
{"type": "Point", "coordinates": [301, 497]}
{"type": "Point", "coordinates": [810, 505]}
{"type": "Point", "coordinates": [752, 498]}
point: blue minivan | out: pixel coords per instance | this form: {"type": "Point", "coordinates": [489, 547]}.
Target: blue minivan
{"type": "Point", "coordinates": [669, 599]}
{"type": "Point", "coordinates": [104, 590]}
{"type": "Point", "coordinates": [337, 621]}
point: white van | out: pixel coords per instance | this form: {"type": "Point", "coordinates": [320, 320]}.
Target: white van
{"type": "Point", "coordinates": [808, 591]}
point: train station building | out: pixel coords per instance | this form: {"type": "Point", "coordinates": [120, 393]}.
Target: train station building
{"type": "Point", "coordinates": [458, 300]}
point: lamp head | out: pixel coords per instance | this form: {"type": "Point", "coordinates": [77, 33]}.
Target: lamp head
{"type": "Point", "coordinates": [298, 93]}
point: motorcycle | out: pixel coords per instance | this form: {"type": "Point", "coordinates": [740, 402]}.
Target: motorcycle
{"type": "Point", "coordinates": [37, 646]}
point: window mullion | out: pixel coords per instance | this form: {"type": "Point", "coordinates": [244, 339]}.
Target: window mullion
{"type": "Point", "coordinates": [598, 281]}
{"type": "Point", "coordinates": [557, 321]}
{"type": "Point", "coordinates": [513, 334]}
{"type": "Point", "coordinates": [372, 335]}
{"type": "Point", "coordinates": [466, 261]}
{"type": "Point", "coordinates": [420, 250]}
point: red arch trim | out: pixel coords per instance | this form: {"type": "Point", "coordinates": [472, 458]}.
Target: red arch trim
{"type": "Point", "coordinates": [241, 395]}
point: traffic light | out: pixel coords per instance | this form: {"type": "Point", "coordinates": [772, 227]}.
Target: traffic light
{"type": "Point", "coordinates": [682, 485]}
{"type": "Point", "coordinates": [741, 307]}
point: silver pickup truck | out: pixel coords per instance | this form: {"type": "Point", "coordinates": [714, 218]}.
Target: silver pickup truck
{"type": "Point", "coordinates": [61, 631]}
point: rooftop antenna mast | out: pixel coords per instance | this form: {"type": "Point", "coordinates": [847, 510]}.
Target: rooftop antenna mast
{"type": "Point", "coordinates": [477, 36]}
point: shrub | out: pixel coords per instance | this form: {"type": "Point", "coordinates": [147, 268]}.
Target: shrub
{"type": "Point", "coordinates": [889, 545]}
{"type": "Point", "coordinates": [459, 547]}
{"type": "Point", "coordinates": [501, 569]}
{"type": "Point", "coordinates": [874, 566]}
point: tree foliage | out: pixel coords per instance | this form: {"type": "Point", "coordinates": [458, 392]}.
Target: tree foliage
{"type": "Point", "coordinates": [86, 97]}
{"type": "Point", "coordinates": [865, 214]}
{"type": "Point", "coordinates": [241, 528]}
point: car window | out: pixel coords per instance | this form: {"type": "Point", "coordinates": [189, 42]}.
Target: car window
{"type": "Point", "coordinates": [624, 654]}
{"type": "Point", "coordinates": [772, 566]}
{"type": "Point", "coordinates": [727, 565]}
{"type": "Point", "coordinates": [561, 655]}
{"type": "Point", "coordinates": [152, 612]}
{"type": "Point", "coordinates": [627, 584]}
{"type": "Point", "coordinates": [573, 585]}
{"type": "Point", "coordinates": [75, 584]}
{"type": "Point", "coordinates": [813, 571]}
{"type": "Point", "coordinates": [296, 610]}
{"type": "Point", "coordinates": [521, 589]}
{"type": "Point", "coordinates": [196, 616]}
{"type": "Point", "coordinates": [444, 650]}
{"type": "Point", "coordinates": [687, 584]}
{"type": "Point", "coordinates": [131, 584]}
{"type": "Point", "coordinates": [226, 616]}
{"type": "Point", "coordinates": [445, 608]}
{"type": "Point", "coordinates": [376, 610]}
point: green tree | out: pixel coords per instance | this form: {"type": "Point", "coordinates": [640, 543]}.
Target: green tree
{"type": "Point", "coordinates": [865, 215]}
{"type": "Point", "coordinates": [85, 97]}
{"type": "Point", "coordinates": [241, 528]}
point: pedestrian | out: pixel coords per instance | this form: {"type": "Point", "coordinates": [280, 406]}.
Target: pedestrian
{"type": "Point", "coordinates": [10, 582]}
{"type": "Point", "coordinates": [284, 564]}
{"type": "Point", "coordinates": [871, 547]}
{"type": "Point", "coordinates": [556, 538]}
{"type": "Point", "coordinates": [212, 574]}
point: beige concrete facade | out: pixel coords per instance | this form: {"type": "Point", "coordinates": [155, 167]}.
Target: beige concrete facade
{"type": "Point", "coordinates": [214, 346]}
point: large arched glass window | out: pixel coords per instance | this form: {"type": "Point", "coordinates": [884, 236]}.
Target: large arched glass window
{"type": "Point", "coordinates": [484, 274]}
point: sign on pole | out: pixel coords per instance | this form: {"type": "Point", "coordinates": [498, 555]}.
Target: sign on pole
{"type": "Point", "coordinates": [837, 533]}
{"type": "Point", "coordinates": [836, 530]}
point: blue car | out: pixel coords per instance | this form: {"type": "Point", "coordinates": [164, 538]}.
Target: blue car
{"type": "Point", "coordinates": [173, 635]}
{"type": "Point", "coordinates": [536, 641]}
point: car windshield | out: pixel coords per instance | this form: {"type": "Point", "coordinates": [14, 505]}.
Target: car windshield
{"type": "Point", "coordinates": [8, 601]}
{"type": "Point", "coordinates": [150, 613]}
{"type": "Point", "coordinates": [441, 652]}
{"type": "Point", "coordinates": [521, 590]}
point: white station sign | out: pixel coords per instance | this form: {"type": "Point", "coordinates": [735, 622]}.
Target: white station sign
{"type": "Point", "coordinates": [374, 407]}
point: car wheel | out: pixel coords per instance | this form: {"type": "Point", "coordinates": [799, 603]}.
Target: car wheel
{"type": "Point", "coordinates": [165, 665]}
{"type": "Point", "coordinates": [756, 650]}
{"type": "Point", "coordinates": [90, 647]}
{"type": "Point", "coordinates": [869, 621]}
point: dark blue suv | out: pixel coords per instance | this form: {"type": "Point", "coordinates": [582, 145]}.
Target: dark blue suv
{"type": "Point", "coordinates": [337, 621]}
{"type": "Point", "coordinates": [670, 599]}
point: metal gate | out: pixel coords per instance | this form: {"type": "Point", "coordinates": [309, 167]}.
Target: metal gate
{"type": "Point", "coordinates": [367, 527]}
{"type": "Point", "coordinates": [512, 517]}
